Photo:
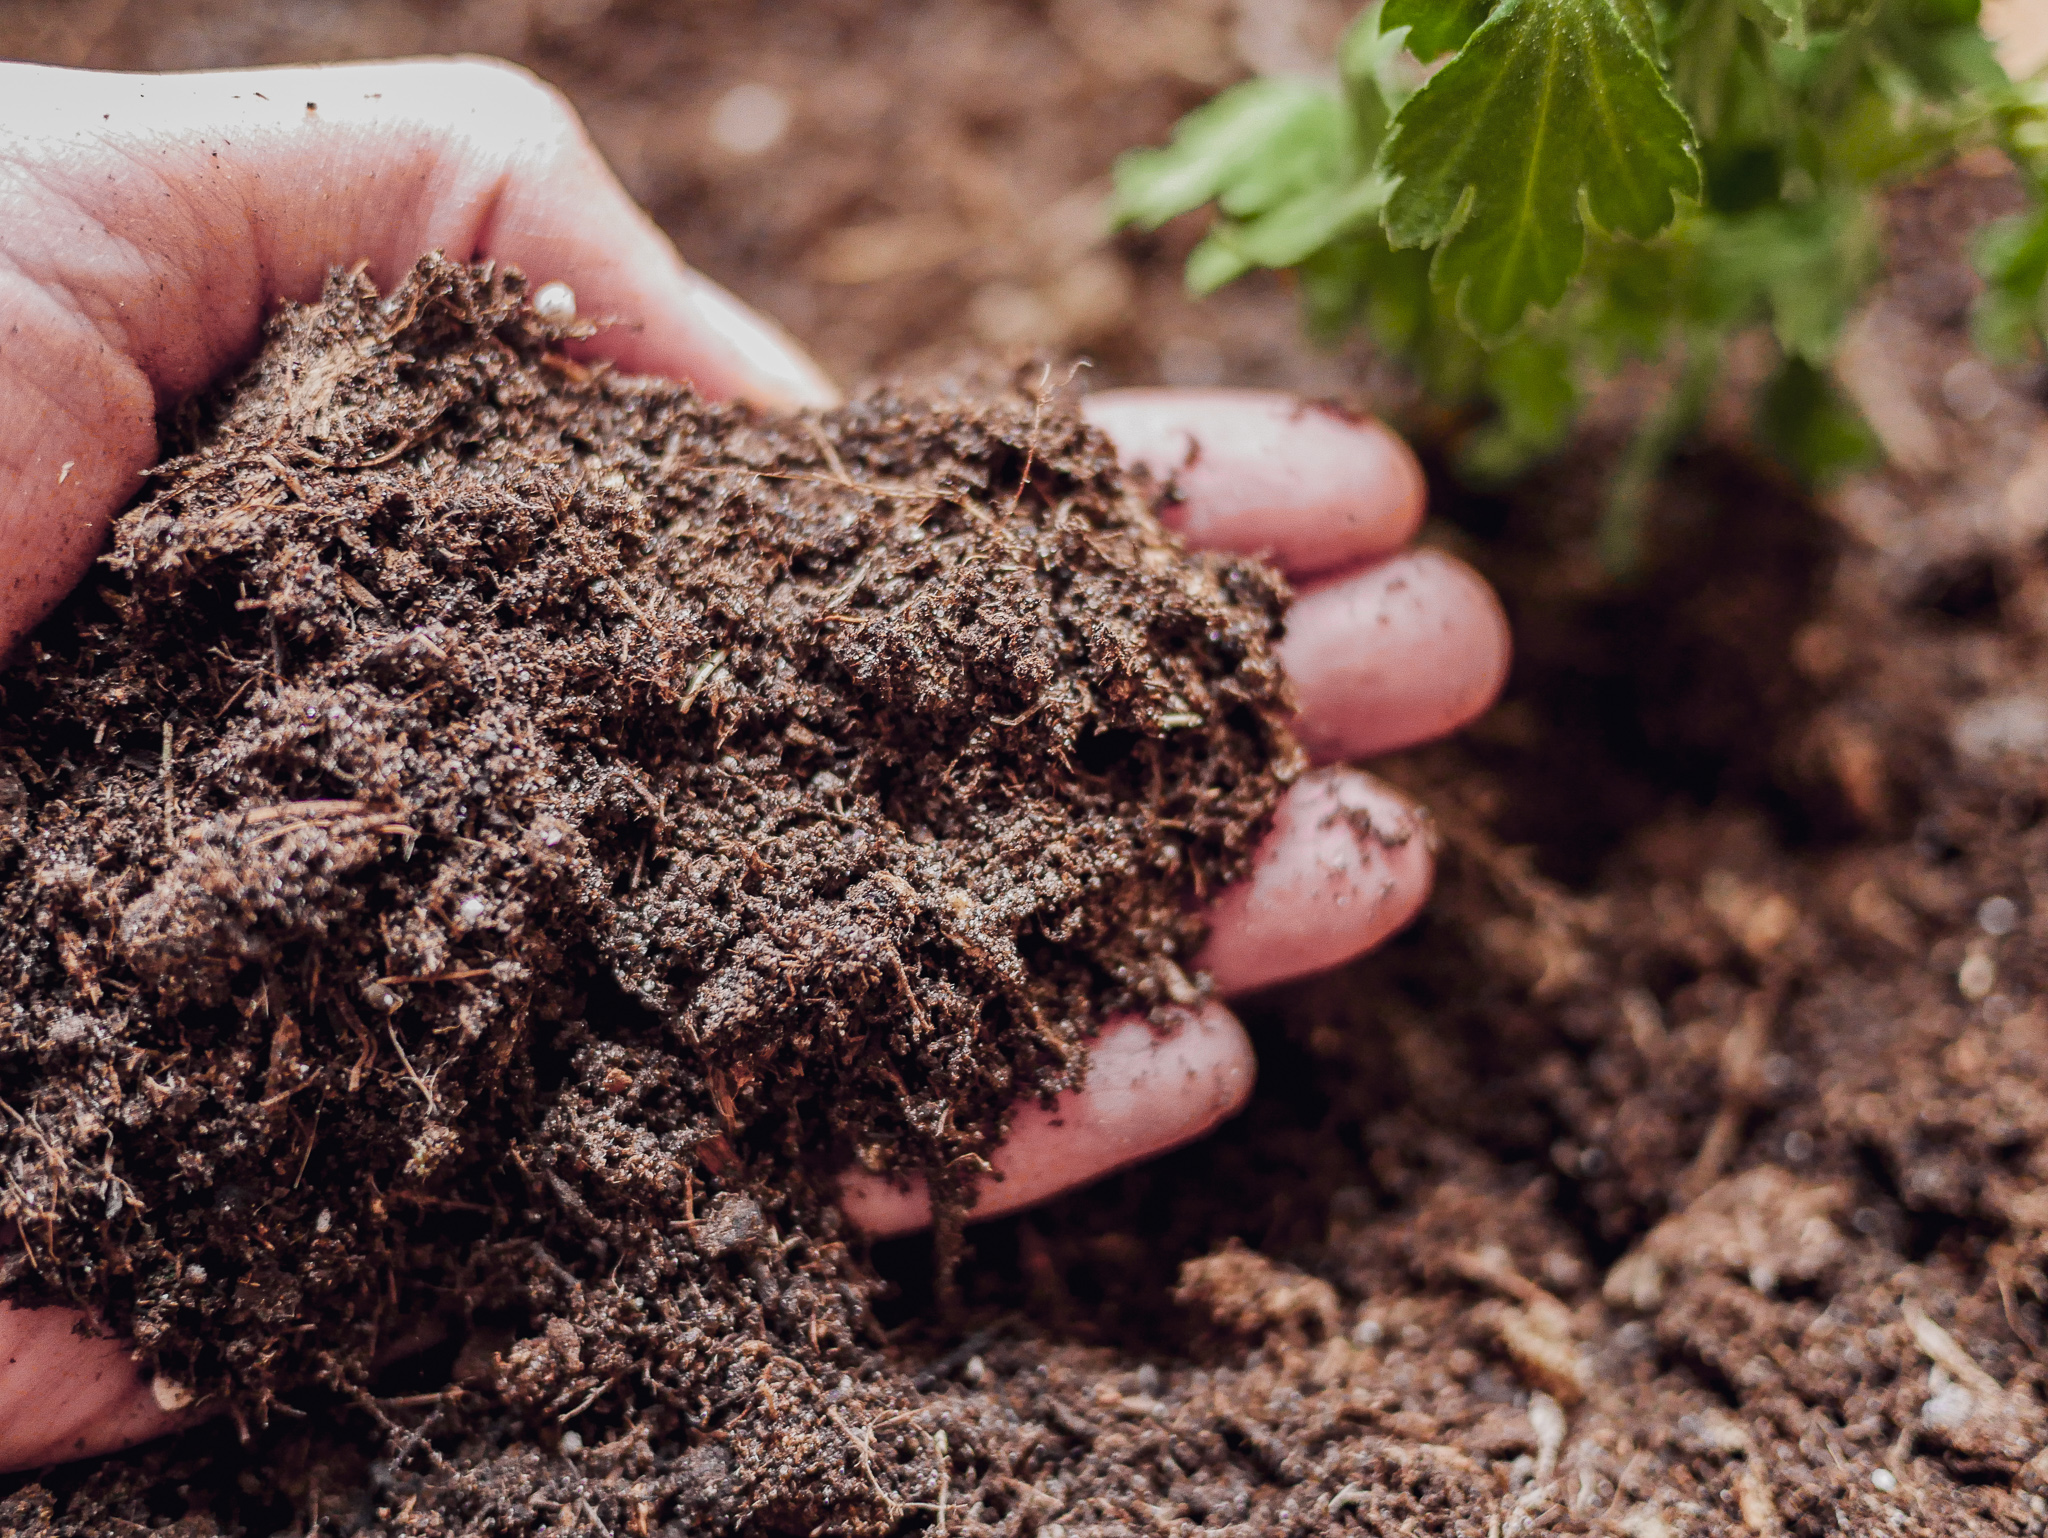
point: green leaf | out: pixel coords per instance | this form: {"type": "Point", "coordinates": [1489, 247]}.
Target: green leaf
{"type": "Point", "coordinates": [1791, 18]}
{"type": "Point", "coordinates": [1535, 396]}
{"type": "Point", "coordinates": [2012, 314]}
{"type": "Point", "coordinates": [1551, 105]}
{"type": "Point", "coordinates": [1285, 235]}
{"type": "Point", "coordinates": [1795, 21]}
{"type": "Point", "coordinates": [1435, 26]}
{"type": "Point", "coordinates": [1378, 77]}
{"type": "Point", "coordinates": [1246, 142]}
{"type": "Point", "coordinates": [1806, 265]}
{"type": "Point", "coordinates": [1804, 419]}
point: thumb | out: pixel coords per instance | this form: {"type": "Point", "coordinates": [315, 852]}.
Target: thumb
{"type": "Point", "coordinates": [147, 222]}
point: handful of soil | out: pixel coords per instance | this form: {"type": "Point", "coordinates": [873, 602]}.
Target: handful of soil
{"type": "Point", "coordinates": [500, 836]}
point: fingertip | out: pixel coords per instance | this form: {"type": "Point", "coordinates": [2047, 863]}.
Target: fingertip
{"type": "Point", "coordinates": [1305, 484]}
{"type": "Point", "coordinates": [1146, 1092]}
{"type": "Point", "coordinates": [1346, 863]}
{"type": "Point", "coordinates": [729, 350]}
{"type": "Point", "coordinates": [1398, 653]}
{"type": "Point", "coordinates": [65, 1395]}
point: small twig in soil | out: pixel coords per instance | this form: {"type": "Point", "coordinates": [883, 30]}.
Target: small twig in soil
{"type": "Point", "coordinates": [705, 669]}
{"type": "Point", "coordinates": [410, 1072]}
{"type": "Point", "coordinates": [244, 689]}
{"type": "Point", "coordinates": [1038, 400]}
{"type": "Point", "coordinates": [458, 975]}
{"type": "Point", "coordinates": [867, 1467]}
{"type": "Point", "coordinates": [413, 1401]}
{"type": "Point", "coordinates": [170, 820]}
{"type": "Point", "coordinates": [825, 447]}
{"type": "Point", "coordinates": [1742, 1055]}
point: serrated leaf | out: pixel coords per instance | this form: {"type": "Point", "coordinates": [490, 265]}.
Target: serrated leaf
{"type": "Point", "coordinates": [1791, 18]}
{"type": "Point", "coordinates": [1378, 77]}
{"type": "Point", "coordinates": [1285, 235]}
{"type": "Point", "coordinates": [1808, 264]}
{"type": "Point", "coordinates": [1550, 103]}
{"type": "Point", "coordinates": [1235, 140]}
{"type": "Point", "coordinates": [1435, 26]}
{"type": "Point", "coordinates": [1808, 423]}
{"type": "Point", "coordinates": [1530, 380]}
{"type": "Point", "coordinates": [1794, 22]}
{"type": "Point", "coordinates": [2012, 313]}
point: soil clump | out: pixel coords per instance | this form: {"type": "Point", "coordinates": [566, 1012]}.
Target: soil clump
{"type": "Point", "coordinates": [501, 837]}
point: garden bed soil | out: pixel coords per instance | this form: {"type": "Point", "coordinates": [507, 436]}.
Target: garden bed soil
{"type": "Point", "coordinates": [1678, 1173]}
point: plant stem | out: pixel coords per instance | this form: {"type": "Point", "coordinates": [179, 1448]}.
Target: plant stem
{"type": "Point", "coordinates": [1657, 437]}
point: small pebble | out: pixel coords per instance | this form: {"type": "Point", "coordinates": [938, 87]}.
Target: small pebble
{"type": "Point", "coordinates": [572, 1442]}
{"type": "Point", "coordinates": [1885, 1480]}
{"type": "Point", "coordinates": [750, 119]}
{"type": "Point", "coordinates": [1368, 1332]}
{"type": "Point", "coordinates": [170, 1395]}
{"type": "Point", "coordinates": [555, 301]}
{"type": "Point", "coordinates": [975, 1373]}
{"type": "Point", "coordinates": [1971, 390]}
{"type": "Point", "coordinates": [1976, 977]}
{"type": "Point", "coordinates": [1998, 915]}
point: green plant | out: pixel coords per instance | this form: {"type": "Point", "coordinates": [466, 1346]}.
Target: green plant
{"type": "Point", "coordinates": [1583, 182]}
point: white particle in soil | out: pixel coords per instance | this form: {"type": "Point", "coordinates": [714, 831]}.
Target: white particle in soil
{"type": "Point", "coordinates": [555, 301]}
{"type": "Point", "coordinates": [1998, 915]}
{"type": "Point", "coordinates": [1885, 1480]}
{"type": "Point", "coordinates": [1976, 977]}
{"type": "Point", "coordinates": [750, 119]}
{"type": "Point", "coordinates": [472, 909]}
{"type": "Point", "coordinates": [323, 1222]}
{"type": "Point", "coordinates": [170, 1395]}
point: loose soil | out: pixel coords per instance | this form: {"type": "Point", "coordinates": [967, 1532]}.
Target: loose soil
{"type": "Point", "coordinates": [508, 834]}
{"type": "Point", "coordinates": [1679, 1173]}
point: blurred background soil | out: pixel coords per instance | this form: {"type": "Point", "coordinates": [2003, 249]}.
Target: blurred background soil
{"type": "Point", "coordinates": [1683, 1170]}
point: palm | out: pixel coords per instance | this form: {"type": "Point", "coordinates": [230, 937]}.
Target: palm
{"type": "Point", "coordinates": [149, 220]}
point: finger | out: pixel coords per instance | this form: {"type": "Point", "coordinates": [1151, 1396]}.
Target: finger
{"type": "Point", "coordinates": [1144, 1093]}
{"type": "Point", "coordinates": [1345, 864]}
{"type": "Point", "coordinates": [1393, 655]}
{"type": "Point", "coordinates": [147, 224]}
{"type": "Point", "coordinates": [64, 1395]}
{"type": "Point", "coordinates": [1308, 487]}
{"type": "Point", "coordinates": [205, 197]}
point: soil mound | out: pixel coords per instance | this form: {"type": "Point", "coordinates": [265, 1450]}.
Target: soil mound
{"type": "Point", "coordinates": [502, 835]}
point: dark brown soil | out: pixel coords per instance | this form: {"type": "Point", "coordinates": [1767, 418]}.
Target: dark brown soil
{"type": "Point", "coordinates": [508, 835]}
{"type": "Point", "coordinates": [1679, 1174]}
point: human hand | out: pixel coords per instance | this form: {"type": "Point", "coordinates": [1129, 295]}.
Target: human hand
{"type": "Point", "coordinates": [146, 222]}
{"type": "Point", "coordinates": [1386, 647]}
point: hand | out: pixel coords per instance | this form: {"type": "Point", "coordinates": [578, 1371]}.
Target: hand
{"type": "Point", "coordinates": [146, 222]}
{"type": "Point", "coordinates": [1386, 647]}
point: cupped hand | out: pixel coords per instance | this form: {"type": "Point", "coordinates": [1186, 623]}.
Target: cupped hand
{"type": "Point", "coordinates": [1386, 646]}
{"type": "Point", "coordinates": [146, 224]}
